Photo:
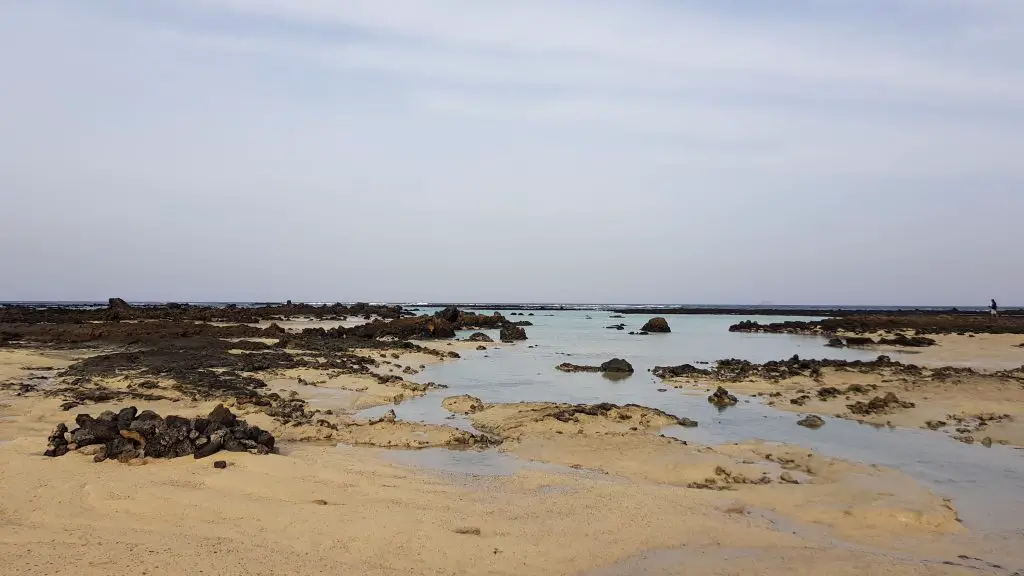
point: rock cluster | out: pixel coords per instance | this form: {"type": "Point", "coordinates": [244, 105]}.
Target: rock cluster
{"type": "Point", "coordinates": [615, 365]}
{"type": "Point", "coordinates": [879, 405]}
{"type": "Point", "coordinates": [680, 371]}
{"type": "Point", "coordinates": [480, 337]}
{"type": "Point", "coordinates": [721, 398]}
{"type": "Point", "coordinates": [130, 434]}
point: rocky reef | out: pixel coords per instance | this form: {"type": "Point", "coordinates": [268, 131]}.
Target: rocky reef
{"type": "Point", "coordinates": [896, 325]}
{"type": "Point", "coordinates": [615, 365]}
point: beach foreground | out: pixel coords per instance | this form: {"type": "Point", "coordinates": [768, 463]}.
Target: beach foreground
{"type": "Point", "coordinates": [557, 489]}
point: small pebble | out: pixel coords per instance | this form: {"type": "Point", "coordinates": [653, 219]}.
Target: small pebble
{"type": "Point", "coordinates": [220, 464]}
{"type": "Point", "coordinates": [320, 502]}
{"type": "Point", "coordinates": [468, 531]}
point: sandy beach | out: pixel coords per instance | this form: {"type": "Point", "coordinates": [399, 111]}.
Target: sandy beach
{"type": "Point", "coordinates": [586, 489]}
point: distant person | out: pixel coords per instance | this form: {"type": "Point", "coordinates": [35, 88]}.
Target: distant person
{"type": "Point", "coordinates": [994, 308]}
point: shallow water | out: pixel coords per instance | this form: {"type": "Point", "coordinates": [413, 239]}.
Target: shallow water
{"type": "Point", "coordinates": [987, 484]}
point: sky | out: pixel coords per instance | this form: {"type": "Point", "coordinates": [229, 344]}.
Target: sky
{"type": "Point", "coordinates": [658, 151]}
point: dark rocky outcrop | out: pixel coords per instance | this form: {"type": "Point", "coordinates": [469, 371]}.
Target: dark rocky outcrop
{"type": "Point", "coordinates": [657, 325]}
{"type": "Point", "coordinates": [480, 337]}
{"type": "Point", "coordinates": [879, 405]}
{"type": "Point", "coordinates": [617, 327]}
{"type": "Point", "coordinates": [511, 333]}
{"type": "Point", "coordinates": [859, 341]}
{"type": "Point", "coordinates": [613, 366]}
{"type": "Point", "coordinates": [919, 323]}
{"type": "Point", "coordinates": [835, 343]}
{"type": "Point", "coordinates": [129, 435]}
{"type": "Point", "coordinates": [570, 367]}
{"type": "Point", "coordinates": [464, 320]}
{"type": "Point", "coordinates": [681, 371]}
{"type": "Point", "coordinates": [117, 309]}
{"type": "Point", "coordinates": [721, 398]}
{"type": "Point", "coordinates": [617, 365]}
{"type": "Point", "coordinates": [422, 327]}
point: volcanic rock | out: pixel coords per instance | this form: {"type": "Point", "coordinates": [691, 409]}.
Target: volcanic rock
{"type": "Point", "coordinates": [812, 421]}
{"type": "Point", "coordinates": [679, 371]}
{"type": "Point", "coordinates": [617, 365]}
{"type": "Point", "coordinates": [570, 367]}
{"type": "Point", "coordinates": [511, 333]}
{"type": "Point", "coordinates": [721, 398]}
{"type": "Point", "coordinates": [658, 324]}
{"type": "Point", "coordinates": [146, 434]}
{"type": "Point", "coordinates": [57, 443]}
{"type": "Point", "coordinates": [879, 405]}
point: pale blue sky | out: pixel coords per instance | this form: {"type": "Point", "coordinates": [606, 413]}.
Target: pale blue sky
{"type": "Point", "coordinates": [829, 151]}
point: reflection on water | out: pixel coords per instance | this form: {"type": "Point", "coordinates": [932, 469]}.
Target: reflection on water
{"type": "Point", "coordinates": [987, 484]}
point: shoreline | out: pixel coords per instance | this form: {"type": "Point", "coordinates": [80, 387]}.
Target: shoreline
{"type": "Point", "coordinates": [603, 464]}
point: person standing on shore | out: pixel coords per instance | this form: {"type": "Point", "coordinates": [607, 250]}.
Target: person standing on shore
{"type": "Point", "coordinates": [994, 308]}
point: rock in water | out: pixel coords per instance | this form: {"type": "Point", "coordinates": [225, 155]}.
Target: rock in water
{"type": "Point", "coordinates": [617, 365]}
{"type": "Point", "coordinates": [658, 324]}
{"type": "Point", "coordinates": [812, 421]}
{"type": "Point", "coordinates": [480, 337]}
{"type": "Point", "coordinates": [679, 371]}
{"type": "Point", "coordinates": [511, 333]}
{"type": "Point", "coordinates": [722, 398]}
{"type": "Point", "coordinates": [836, 343]}
{"type": "Point", "coordinates": [570, 367]}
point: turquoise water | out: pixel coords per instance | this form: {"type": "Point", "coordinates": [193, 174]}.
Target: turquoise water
{"type": "Point", "coordinates": [987, 484]}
